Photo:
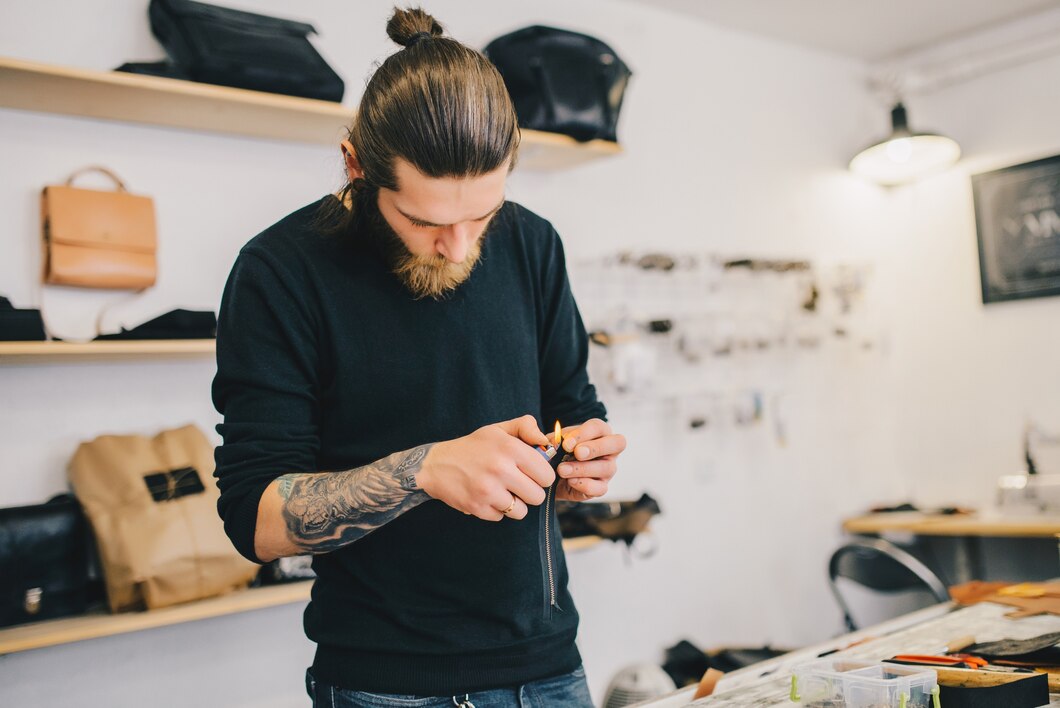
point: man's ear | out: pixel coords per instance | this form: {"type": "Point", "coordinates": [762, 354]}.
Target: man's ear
{"type": "Point", "coordinates": [353, 165]}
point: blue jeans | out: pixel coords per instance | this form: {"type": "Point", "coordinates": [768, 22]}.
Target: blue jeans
{"type": "Point", "coordinates": [565, 691]}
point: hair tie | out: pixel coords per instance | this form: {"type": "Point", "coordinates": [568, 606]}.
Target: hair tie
{"type": "Point", "coordinates": [417, 38]}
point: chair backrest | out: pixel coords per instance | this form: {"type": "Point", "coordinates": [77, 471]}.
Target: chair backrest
{"type": "Point", "coordinates": [881, 566]}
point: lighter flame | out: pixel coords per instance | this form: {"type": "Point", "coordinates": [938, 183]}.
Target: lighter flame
{"type": "Point", "coordinates": [559, 435]}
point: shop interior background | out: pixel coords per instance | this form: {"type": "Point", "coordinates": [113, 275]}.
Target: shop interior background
{"type": "Point", "coordinates": [735, 144]}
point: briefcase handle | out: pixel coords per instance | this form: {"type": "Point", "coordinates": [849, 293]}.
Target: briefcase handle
{"type": "Point", "coordinates": [102, 170]}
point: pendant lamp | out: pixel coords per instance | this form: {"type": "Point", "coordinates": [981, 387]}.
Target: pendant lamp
{"type": "Point", "coordinates": [905, 156]}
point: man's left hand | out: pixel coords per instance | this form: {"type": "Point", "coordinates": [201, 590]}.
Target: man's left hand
{"type": "Point", "coordinates": [595, 449]}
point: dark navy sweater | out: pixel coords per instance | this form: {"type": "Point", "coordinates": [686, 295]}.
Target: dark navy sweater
{"type": "Point", "coordinates": [326, 362]}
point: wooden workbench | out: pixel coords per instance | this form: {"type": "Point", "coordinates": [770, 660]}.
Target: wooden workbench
{"type": "Point", "coordinates": [768, 683]}
{"type": "Point", "coordinates": [982, 524]}
{"type": "Point", "coordinates": [971, 539]}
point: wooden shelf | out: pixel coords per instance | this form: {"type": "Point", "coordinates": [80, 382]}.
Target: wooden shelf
{"type": "Point", "coordinates": [551, 151]}
{"type": "Point", "coordinates": [74, 629]}
{"type": "Point", "coordinates": [85, 351]}
{"type": "Point", "coordinates": [580, 543]}
{"type": "Point", "coordinates": [32, 86]}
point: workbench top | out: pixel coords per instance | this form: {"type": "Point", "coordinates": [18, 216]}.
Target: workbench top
{"type": "Point", "coordinates": [768, 683]}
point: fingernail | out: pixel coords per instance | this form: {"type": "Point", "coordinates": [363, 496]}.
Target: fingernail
{"type": "Point", "coordinates": [583, 453]}
{"type": "Point", "coordinates": [569, 443]}
{"type": "Point", "coordinates": [565, 470]}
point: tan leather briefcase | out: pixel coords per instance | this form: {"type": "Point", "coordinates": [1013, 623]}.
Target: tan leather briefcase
{"type": "Point", "coordinates": [98, 239]}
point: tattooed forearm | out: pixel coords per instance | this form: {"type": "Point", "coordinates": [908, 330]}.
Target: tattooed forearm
{"type": "Point", "coordinates": [325, 511]}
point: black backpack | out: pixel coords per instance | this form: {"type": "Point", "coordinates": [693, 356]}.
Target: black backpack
{"type": "Point", "coordinates": [216, 45]}
{"type": "Point", "coordinates": [562, 82]}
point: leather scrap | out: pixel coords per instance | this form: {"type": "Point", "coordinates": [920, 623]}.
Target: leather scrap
{"type": "Point", "coordinates": [1012, 648]}
{"type": "Point", "coordinates": [1029, 692]}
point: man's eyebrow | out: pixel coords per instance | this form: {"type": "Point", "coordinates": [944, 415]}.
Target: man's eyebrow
{"type": "Point", "coordinates": [417, 220]}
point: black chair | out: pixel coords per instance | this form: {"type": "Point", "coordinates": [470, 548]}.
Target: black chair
{"type": "Point", "coordinates": [881, 566]}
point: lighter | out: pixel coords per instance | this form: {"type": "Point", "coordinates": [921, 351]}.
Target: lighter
{"type": "Point", "coordinates": [554, 452]}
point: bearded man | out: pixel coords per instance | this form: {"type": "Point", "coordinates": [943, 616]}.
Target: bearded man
{"type": "Point", "coordinates": [387, 360]}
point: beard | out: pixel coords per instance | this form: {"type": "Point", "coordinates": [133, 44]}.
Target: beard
{"type": "Point", "coordinates": [424, 276]}
{"type": "Point", "coordinates": [434, 276]}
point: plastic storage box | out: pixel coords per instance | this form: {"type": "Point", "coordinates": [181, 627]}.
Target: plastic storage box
{"type": "Point", "coordinates": [844, 683]}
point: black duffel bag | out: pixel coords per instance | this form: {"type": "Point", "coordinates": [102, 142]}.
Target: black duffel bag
{"type": "Point", "coordinates": [561, 81]}
{"type": "Point", "coordinates": [217, 45]}
{"type": "Point", "coordinates": [46, 562]}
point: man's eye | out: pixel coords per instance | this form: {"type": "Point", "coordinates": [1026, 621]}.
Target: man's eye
{"type": "Point", "coordinates": [421, 225]}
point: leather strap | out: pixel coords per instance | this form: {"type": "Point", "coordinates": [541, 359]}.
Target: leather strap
{"type": "Point", "coordinates": [708, 683]}
{"type": "Point", "coordinates": [100, 169]}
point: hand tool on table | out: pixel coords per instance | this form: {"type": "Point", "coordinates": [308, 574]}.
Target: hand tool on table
{"type": "Point", "coordinates": [960, 661]}
{"type": "Point", "coordinates": [954, 645]}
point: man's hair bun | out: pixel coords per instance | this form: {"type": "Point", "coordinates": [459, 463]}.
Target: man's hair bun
{"type": "Point", "coordinates": [409, 26]}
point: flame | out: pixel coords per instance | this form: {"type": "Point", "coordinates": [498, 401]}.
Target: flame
{"type": "Point", "coordinates": [559, 435]}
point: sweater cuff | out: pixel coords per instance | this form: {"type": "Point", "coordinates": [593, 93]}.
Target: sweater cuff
{"type": "Point", "coordinates": [242, 520]}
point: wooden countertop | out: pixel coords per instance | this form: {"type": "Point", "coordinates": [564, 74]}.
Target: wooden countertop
{"type": "Point", "coordinates": [982, 524]}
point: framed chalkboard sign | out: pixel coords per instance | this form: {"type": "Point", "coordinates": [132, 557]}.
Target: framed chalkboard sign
{"type": "Point", "coordinates": [1017, 216]}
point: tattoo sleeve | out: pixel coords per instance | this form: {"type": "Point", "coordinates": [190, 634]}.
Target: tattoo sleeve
{"type": "Point", "coordinates": [328, 510]}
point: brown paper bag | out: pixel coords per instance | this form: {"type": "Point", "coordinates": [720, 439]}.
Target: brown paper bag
{"type": "Point", "coordinates": [152, 503]}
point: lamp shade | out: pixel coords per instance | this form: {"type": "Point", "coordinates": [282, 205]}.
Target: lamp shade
{"type": "Point", "coordinates": [905, 156]}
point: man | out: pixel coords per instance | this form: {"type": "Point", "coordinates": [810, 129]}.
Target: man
{"type": "Point", "coordinates": [386, 362]}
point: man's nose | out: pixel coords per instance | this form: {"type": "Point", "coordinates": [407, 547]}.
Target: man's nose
{"type": "Point", "coordinates": [454, 242]}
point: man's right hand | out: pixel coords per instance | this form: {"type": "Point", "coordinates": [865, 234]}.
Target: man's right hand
{"type": "Point", "coordinates": [484, 472]}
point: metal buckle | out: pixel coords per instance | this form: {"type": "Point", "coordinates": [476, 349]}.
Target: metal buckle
{"type": "Point", "coordinates": [31, 602]}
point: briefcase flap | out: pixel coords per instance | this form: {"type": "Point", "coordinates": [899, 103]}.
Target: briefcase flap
{"type": "Point", "coordinates": [99, 219]}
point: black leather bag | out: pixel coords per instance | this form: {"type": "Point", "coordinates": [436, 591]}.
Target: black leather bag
{"type": "Point", "coordinates": [175, 324]}
{"type": "Point", "coordinates": [561, 81]}
{"type": "Point", "coordinates": [19, 325]}
{"type": "Point", "coordinates": [617, 521]}
{"type": "Point", "coordinates": [218, 45]}
{"type": "Point", "coordinates": [45, 562]}
{"type": "Point", "coordinates": [164, 69]}
{"type": "Point", "coordinates": [291, 569]}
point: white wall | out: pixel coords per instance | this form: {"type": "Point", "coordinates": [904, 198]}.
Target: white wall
{"type": "Point", "coordinates": [733, 144]}
{"type": "Point", "coordinates": [971, 374]}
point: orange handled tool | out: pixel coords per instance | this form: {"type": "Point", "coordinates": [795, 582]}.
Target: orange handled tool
{"type": "Point", "coordinates": [966, 661]}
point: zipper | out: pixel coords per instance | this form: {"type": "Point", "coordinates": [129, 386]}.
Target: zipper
{"type": "Point", "coordinates": [548, 550]}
